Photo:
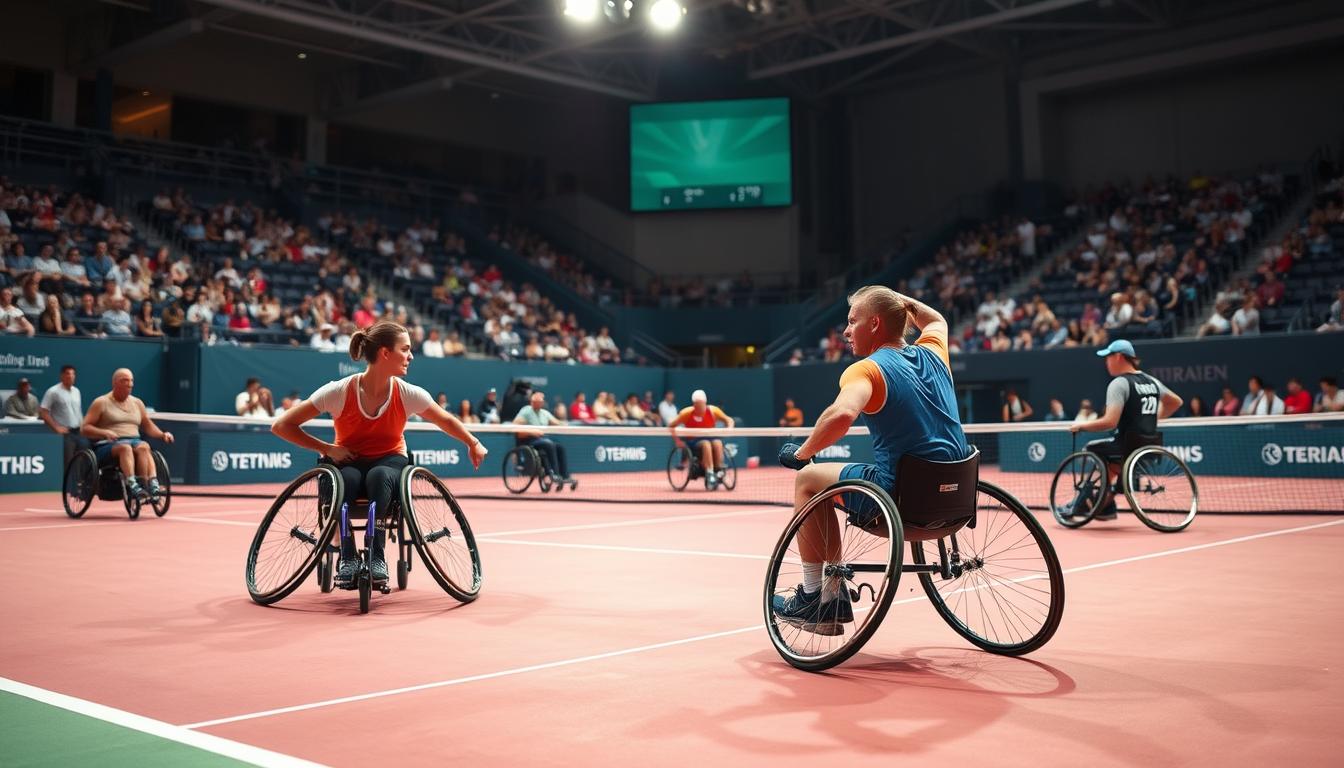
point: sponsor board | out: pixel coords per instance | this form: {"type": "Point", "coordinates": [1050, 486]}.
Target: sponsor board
{"type": "Point", "coordinates": [224, 461]}
{"type": "Point", "coordinates": [620, 453]}
{"type": "Point", "coordinates": [430, 457]}
{"type": "Point", "coordinates": [23, 465]}
{"type": "Point", "coordinates": [25, 364]}
{"type": "Point", "coordinates": [1036, 452]}
{"type": "Point", "coordinates": [837, 451]}
{"type": "Point", "coordinates": [1274, 454]}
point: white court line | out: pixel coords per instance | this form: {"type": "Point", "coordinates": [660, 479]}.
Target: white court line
{"type": "Point", "coordinates": [699, 638]}
{"type": "Point", "coordinates": [641, 521]}
{"type": "Point", "coordinates": [86, 524]}
{"type": "Point", "coordinates": [615, 548]}
{"type": "Point", "coordinates": [209, 521]}
{"type": "Point", "coordinates": [157, 728]}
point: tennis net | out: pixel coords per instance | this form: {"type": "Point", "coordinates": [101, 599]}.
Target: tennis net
{"type": "Point", "coordinates": [1278, 464]}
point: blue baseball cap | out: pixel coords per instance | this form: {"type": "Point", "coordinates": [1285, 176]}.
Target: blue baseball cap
{"type": "Point", "coordinates": [1119, 345]}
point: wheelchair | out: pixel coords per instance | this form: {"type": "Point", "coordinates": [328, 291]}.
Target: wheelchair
{"type": "Point", "coordinates": [982, 559]}
{"type": "Point", "coordinates": [523, 465]}
{"type": "Point", "coordinates": [84, 478]}
{"type": "Point", "coordinates": [683, 466]}
{"type": "Point", "coordinates": [1158, 485]}
{"type": "Point", "coordinates": [299, 535]}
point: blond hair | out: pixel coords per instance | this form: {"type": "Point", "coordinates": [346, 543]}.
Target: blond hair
{"type": "Point", "coordinates": [886, 304]}
{"type": "Point", "coordinates": [364, 345]}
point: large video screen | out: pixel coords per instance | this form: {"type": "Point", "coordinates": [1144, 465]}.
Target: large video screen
{"type": "Point", "coordinates": [710, 154]}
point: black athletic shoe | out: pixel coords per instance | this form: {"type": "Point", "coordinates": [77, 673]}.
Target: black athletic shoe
{"type": "Point", "coordinates": [378, 567]}
{"type": "Point", "coordinates": [809, 613]}
{"type": "Point", "coordinates": [1107, 512]}
{"type": "Point", "coordinates": [137, 490]}
{"type": "Point", "coordinates": [347, 570]}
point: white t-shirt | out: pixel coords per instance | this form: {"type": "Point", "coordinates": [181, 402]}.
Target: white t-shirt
{"type": "Point", "coordinates": [255, 412]}
{"type": "Point", "coordinates": [64, 405]}
{"type": "Point", "coordinates": [330, 397]}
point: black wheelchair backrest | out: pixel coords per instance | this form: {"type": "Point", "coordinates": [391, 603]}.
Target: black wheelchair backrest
{"type": "Point", "coordinates": [937, 495]}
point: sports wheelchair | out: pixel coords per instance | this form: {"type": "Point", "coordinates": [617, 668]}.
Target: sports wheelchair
{"type": "Point", "coordinates": [683, 466]}
{"type": "Point", "coordinates": [1158, 485]}
{"type": "Point", "coordinates": [84, 478]}
{"type": "Point", "coordinates": [983, 560]}
{"type": "Point", "coordinates": [524, 465]}
{"type": "Point", "coordinates": [299, 535]}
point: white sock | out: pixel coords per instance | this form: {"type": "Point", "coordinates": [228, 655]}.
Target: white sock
{"type": "Point", "coordinates": [812, 577]}
{"type": "Point", "coordinates": [830, 588]}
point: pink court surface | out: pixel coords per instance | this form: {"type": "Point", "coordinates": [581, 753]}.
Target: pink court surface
{"type": "Point", "coordinates": [619, 634]}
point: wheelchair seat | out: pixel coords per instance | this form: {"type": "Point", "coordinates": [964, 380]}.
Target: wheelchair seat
{"type": "Point", "coordinates": [936, 498]}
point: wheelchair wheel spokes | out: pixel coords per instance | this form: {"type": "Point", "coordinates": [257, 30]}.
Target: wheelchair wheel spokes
{"type": "Point", "coordinates": [1161, 489]}
{"type": "Point", "coordinates": [80, 483]}
{"type": "Point", "coordinates": [1078, 489]}
{"type": "Point", "coordinates": [293, 535]}
{"type": "Point", "coordinates": [1005, 589]}
{"type": "Point", "coordinates": [863, 573]}
{"type": "Point", "coordinates": [441, 534]}
{"type": "Point", "coordinates": [520, 469]}
{"type": "Point", "coordinates": [729, 470]}
{"type": "Point", "coordinates": [679, 468]}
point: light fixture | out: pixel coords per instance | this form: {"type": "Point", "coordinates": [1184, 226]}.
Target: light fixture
{"type": "Point", "coordinates": [617, 11]}
{"type": "Point", "coordinates": [665, 15]}
{"type": "Point", "coordinates": [582, 11]}
{"type": "Point", "coordinates": [303, 55]}
{"type": "Point", "coordinates": [144, 93]}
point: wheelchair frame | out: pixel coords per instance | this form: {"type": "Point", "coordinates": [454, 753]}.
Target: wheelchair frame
{"type": "Point", "coordinates": [109, 484]}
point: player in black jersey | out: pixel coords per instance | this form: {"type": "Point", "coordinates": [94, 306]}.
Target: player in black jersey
{"type": "Point", "coordinates": [1134, 402]}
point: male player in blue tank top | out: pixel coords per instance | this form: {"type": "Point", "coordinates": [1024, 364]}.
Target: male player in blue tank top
{"type": "Point", "coordinates": [904, 392]}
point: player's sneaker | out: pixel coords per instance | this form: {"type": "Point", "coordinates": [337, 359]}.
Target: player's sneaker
{"type": "Point", "coordinates": [711, 481]}
{"type": "Point", "coordinates": [378, 567]}
{"type": "Point", "coordinates": [347, 570]}
{"type": "Point", "coordinates": [809, 613]}
{"type": "Point", "coordinates": [155, 490]}
{"type": "Point", "coordinates": [1107, 512]}
{"type": "Point", "coordinates": [137, 490]}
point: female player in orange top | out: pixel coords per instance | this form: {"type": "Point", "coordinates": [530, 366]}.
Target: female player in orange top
{"type": "Point", "coordinates": [702, 415]}
{"type": "Point", "coordinates": [370, 410]}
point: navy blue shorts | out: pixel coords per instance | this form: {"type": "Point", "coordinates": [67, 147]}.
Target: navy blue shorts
{"type": "Point", "coordinates": [103, 451]}
{"type": "Point", "coordinates": [863, 511]}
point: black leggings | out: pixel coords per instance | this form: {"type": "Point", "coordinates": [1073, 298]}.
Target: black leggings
{"type": "Point", "coordinates": [375, 480]}
{"type": "Point", "coordinates": [552, 455]}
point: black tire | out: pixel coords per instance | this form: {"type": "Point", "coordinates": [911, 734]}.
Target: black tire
{"type": "Point", "coordinates": [324, 573]}
{"type": "Point", "coordinates": [1009, 557]}
{"type": "Point", "coordinates": [403, 574]}
{"type": "Point", "coordinates": [679, 468]}
{"type": "Point", "coordinates": [877, 556]}
{"type": "Point", "coordinates": [80, 483]}
{"type": "Point", "coordinates": [1160, 489]}
{"type": "Point", "coordinates": [161, 503]}
{"type": "Point", "coordinates": [441, 533]}
{"type": "Point", "coordinates": [729, 471]}
{"type": "Point", "coordinates": [365, 591]}
{"type": "Point", "coordinates": [1080, 485]}
{"type": "Point", "coordinates": [300, 524]}
{"type": "Point", "coordinates": [544, 479]}
{"type": "Point", "coordinates": [520, 468]}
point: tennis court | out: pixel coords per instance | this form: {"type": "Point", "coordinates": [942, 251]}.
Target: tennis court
{"type": "Point", "coordinates": [634, 631]}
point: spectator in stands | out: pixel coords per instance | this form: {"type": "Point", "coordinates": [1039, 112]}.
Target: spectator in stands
{"type": "Point", "coordinates": [432, 347]}
{"type": "Point", "coordinates": [1196, 407]}
{"type": "Point", "coordinates": [1217, 323]}
{"type": "Point", "coordinates": [833, 346]}
{"type": "Point", "coordinates": [255, 401]}
{"type": "Point", "coordinates": [22, 404]}
{"type": "Point", "coordinates": [1254, 389]}
{"type": "Point", "coordinates": [367, 313]}
{"type": "Point", "coordinates": [1086, 413]}
{"type": "Point", "coordinates": [172, 319]}
{"type": "Point", "coordinates": [464, 412]}
{"type": "Point", "coordinates": [116, 321]}
{"type": "Point", "coordinates": [1228, 405]}
{"type": "Point", "coordinates": [1298, 399]}
{"type": "Point", "coordinates": [1266, 403]}
{"type": "Point", "coordinates": [1271, 291]}
{"type": "Point", "coordinates": [533, 350]}
{"type": "Point", "coordinates": [1246, 320]}
{"type": "Point", "coordinates": [1120, 312]}
{"type": "Point", "coordinates": [73, 269]}
{"type": "Point", "coordinates": [634, 411]}
{"type": "Point", "coordinates": [1056, 411]}
{"type": "Point", "coordinates": [322, 340]}
{"type": "Point", "coordinates": [201, 311]}
{"type": "Point", "coordinates": [1145, 311]}
{"type": "Point", "coordinates": [1334, 318]}
{"type": "Point", "coordinates": [88, 318]}
{"type": "Point", "coordinates": [667, 408]}
{"type": "Point", "coordinates": [31, 299]}
{"type": "Point", "coordinates": [579, 410]}
{"type": "Point", "coordinates": [1023, 341]}
{"type": "Point", "coordinates": [1331, 398]}
{"type": "Point", "coordinates": [797, 357]}
{"type": "Point", "coordinates": [452, 346]}
{"type": "Point", "coordinates": [146, 324]}
{"type": "Point", "coordinates": [603, 413]}
{"type": "Point", "coordinates": [53, 319]}
{"type": "Point", "coordinates": [1014, 407]}
{"type": "Point", "coordinates": [239, 321]}
{"type": "Point", "coordinates": [46, 264]}
{"type": "Point", "coordinates": [488, 409]}
{"type": "Point", "coordinates": [793, 415]}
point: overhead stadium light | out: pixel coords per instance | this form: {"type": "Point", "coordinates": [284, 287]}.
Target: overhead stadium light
{"type": "Point", "coordinates": [581, 10]}
{"type": "Point", "coordinates": [665, 15]}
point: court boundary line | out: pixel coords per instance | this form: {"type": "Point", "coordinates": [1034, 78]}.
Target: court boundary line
{"type": "Point", "coordinates": [620, 548]}
{"type": "Point", "coordinates": [698, 638]}
{"type": "Point", "coordinates": [205, 742]}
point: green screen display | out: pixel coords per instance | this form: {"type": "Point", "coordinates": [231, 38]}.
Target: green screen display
{"type": "Point", "coordinates": [710, 154]}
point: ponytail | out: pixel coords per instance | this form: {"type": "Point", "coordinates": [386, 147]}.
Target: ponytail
{"type": "Point", "coordinates": [364, 345]}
